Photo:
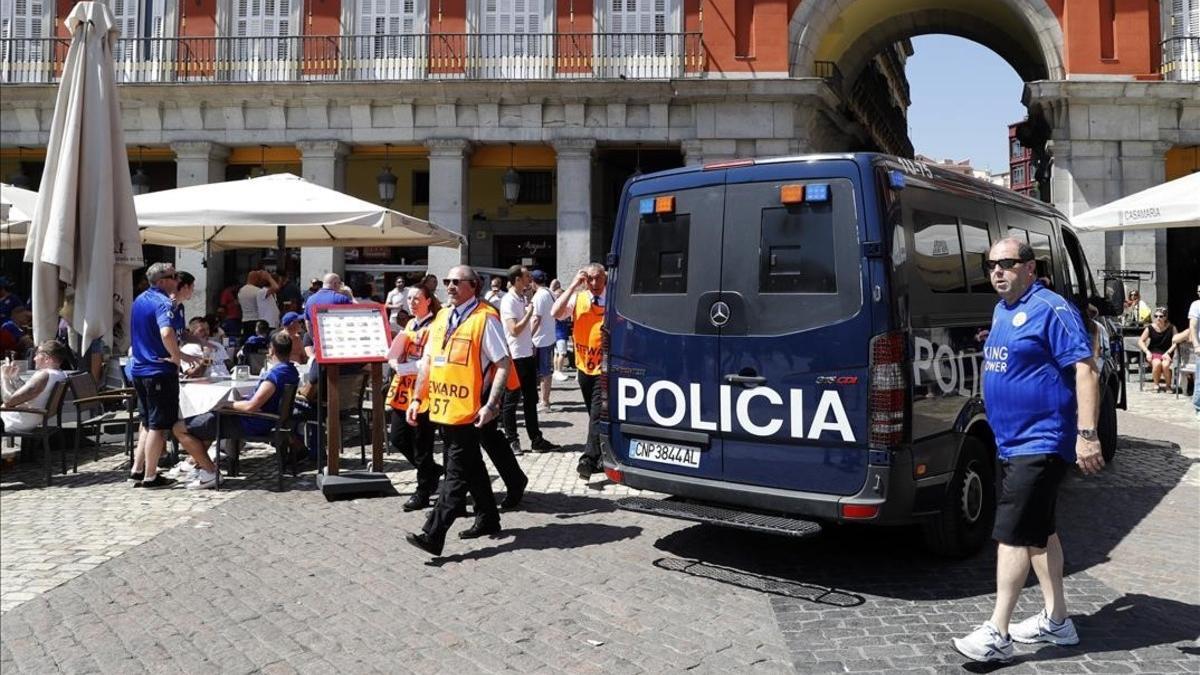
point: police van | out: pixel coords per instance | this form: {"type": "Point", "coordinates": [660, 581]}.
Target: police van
{"type": "Point", "coordinates": [797, 342]}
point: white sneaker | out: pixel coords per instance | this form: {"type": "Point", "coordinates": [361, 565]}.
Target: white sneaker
{"type": "Point", "coordinates": [560, 376]}
{"type": "Point", "coordinates": [204, 480]}
{"type": "Point", "coordinates": [544, 409]}
{"type": "Point", "coordinates": [1039, 628]}
{"type": "Point", "coordinates": [184, 470]}
{"type": "Point", "coordinates": [985, 644]}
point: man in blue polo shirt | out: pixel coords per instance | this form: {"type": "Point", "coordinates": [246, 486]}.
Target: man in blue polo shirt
{"type": "Point", "coordinates": [154, 367]}
{"type": "Point", "coordinates": [1041, 390]}
{"type": "Point", "coordinates": [330, 294]}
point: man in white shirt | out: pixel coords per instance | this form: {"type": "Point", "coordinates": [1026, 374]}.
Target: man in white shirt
{"type": "Point", "coordinates": [516, 313]}
{"type": "Point", "coordinates": [203, 346]}
{"type": "Point", "coordinates": [397, 297]}
{"type": "Point", "coordinates": [543, 336]}
{"type": "Point", "coordinates": [496, 293]}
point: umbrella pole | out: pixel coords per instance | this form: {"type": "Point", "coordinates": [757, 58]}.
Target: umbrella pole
{"type": "Point", "coordinates": [281, 255]}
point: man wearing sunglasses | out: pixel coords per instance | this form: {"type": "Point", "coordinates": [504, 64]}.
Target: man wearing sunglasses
{"type": "Point", "coordinates": [461, 377]}
{"type": "Point", "coordinates": [154, 368]}
{"type": "Point", "coordinates": [1041, 390]}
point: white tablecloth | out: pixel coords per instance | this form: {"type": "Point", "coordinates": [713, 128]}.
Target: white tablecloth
{"type": "Point", "coordinates": [201, 396]}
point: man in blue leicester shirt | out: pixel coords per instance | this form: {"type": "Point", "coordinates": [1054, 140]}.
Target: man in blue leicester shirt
{"type": "Point", "coordinates": [154, 368]}
{"type": "Point", "coordinates": [1041, 390]}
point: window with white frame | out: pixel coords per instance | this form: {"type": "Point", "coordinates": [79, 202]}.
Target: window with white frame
{"type": "Point", "coordinates": [388, 27]}
{"type": "Point", "coordinates": [25, 19]}
{"type": "Point", "coordinates": [139, 19]}
{"type": "Point", "coordinates": [262, 19]}
{"type": "Point", "coordinates": [639, 27]}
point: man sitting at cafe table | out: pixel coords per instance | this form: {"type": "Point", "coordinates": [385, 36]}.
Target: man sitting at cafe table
{"type": "Point", "coordinates": [202, 429]}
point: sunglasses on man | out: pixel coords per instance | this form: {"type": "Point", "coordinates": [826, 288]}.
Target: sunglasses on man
{"type": "Point", "coordinates": [1003, 263]}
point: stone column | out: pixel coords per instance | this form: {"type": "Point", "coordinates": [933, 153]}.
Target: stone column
{"type": "Point", "coordinates": [200, 163]}
{"type": "Point", "coordinates": [448, 171]}
{"type": "Point", "coordinates": [1143, 166]}
{"type": "Point", "coordinates": [323, 163]}
{"type": "Point", "coordinates": [693, 152]}
{"type": "Point", "coordinates": [574, 205]}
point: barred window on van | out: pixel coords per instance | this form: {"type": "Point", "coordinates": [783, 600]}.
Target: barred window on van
{"type": "Point", "coordinates": [661, 263]}
{"type": "Point", "coordinates": [795, 252]}
{"type": "Point", "coordinates": [938, 252]}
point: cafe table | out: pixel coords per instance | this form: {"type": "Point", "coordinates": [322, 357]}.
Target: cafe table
{"type": "Point", "coordinates": [200, 395]}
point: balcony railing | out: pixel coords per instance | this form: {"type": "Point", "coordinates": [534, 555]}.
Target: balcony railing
{"type": "Point", "coordinates": [373, 58]}
{"type": "Point", "coordinates": [1181, 59]}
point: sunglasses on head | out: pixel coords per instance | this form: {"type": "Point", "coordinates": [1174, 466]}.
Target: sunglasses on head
{"type": "Point", "coordinates": [1003, 263]}
{"type": "Point", "coordinates": [1160, 316]}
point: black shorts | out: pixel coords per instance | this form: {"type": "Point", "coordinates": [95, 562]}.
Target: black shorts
{"type": "Point", "coordinates": [158, 400]}
{"type": "Point", "coordinates": [1028, 494]}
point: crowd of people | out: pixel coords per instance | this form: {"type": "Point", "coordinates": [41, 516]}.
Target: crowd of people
{"type": "Point", "coordinates": [521, 333]}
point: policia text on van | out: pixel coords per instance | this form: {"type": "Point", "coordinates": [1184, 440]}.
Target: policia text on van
{"type": "Point", "coordinates": [799, 341]}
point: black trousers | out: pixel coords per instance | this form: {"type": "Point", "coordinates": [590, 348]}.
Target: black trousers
{"type": "Point", "coordinates": [464, 472]}
{"type": "Point", "coordinates": [500, 452]}
{"type": "Point", "coordinates": [416, 444]}
{"type": "Point", "coordinates": [527, 394]}
{"type": "Point", "coordinates": [589, 386]}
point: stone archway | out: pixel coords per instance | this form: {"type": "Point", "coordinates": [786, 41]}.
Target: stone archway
{"type": "Point", "coordinates": [1026, 33]}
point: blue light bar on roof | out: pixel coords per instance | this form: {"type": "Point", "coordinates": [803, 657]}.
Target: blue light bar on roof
{"type": "Point", "coordinates": [896, 180]}
{"type": "Point", "coordinates": [646, 207]}
{"type": "Point", "coordinates": [816, 192]}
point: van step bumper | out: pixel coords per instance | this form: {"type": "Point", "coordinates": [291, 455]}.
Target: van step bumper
{"type": "Point", "coordinates": [716, 515]}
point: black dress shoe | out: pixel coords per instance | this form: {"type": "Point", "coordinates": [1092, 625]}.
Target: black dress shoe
{"type": "Point", "coordinates": [480, 529]}
{"type": "Point", "coordinates": [585, 469]}
{"type": "Point", "coordinates": [514, 496]}
{"type": "Point", "coordinates": [542, 445]}
{"type": "Point", "coordinates": [423, 542]}
{"type": "Point", "coordinates": [416, 503]}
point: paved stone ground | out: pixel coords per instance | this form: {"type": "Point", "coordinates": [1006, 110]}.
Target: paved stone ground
{"type": "Point", "coordinates": [254, 580]}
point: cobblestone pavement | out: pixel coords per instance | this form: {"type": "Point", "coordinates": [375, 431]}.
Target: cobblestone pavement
{"type": "Point", "coordinates": [251, 579]}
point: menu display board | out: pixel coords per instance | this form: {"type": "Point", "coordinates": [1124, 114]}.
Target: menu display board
{"type": "Point", "coordinates": [351, 333]}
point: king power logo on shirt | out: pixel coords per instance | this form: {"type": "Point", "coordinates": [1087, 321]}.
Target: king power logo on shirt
{"type": "Point", "coordinates": [669, 405]}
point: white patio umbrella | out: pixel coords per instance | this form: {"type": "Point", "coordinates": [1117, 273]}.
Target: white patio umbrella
{"type": "Point", "coordinates": [84, 229]}
{"type": "Point", "coordinates": [1172, 204]}
{"type": "Point", "coordinates": [16, 210]}
{"type": "Point", "coordinates": [246, 213]}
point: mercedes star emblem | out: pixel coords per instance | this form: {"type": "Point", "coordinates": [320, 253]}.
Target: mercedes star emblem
{"type": "Point", "coordinates": [718, 314]}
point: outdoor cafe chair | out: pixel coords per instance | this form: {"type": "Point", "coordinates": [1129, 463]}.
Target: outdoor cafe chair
{"type": "Point", "coordinates": [279, 436]}
{"type": "Point", "coordinates": [45, 431]}
{"type": "Point", "coordinates": [1185, 366]}
{"type": "Point", "coordinates": [91, 414]}
{"type": "Point", "coordinates": [1133, 354]}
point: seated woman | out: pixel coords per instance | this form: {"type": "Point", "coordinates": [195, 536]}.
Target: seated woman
{"type": "Point", "coordinates": [34, 391]}
{"type": "Point", "coordinates": [202, 429]}
{"type": "Point", "coordinates": [1157, 343]}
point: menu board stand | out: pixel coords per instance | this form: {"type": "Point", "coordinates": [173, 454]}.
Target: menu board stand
{"type": "Point", "coordinates": [347, 336]}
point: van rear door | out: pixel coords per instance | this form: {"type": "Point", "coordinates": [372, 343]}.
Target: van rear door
{"type": "Point", "coordinates": [663, 351]}
{"type": "Point", "coordinates": [794, 350]}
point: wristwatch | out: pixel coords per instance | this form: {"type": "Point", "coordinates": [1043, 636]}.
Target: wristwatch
{"type": "Point", "coordinates": [1087, 434]}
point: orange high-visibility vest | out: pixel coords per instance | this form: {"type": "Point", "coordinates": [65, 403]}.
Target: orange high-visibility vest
{"type": "Point", "coordinates": [456, 389]}
{"type": "Point", "coordinates": [513, 382]}
{"type": "Point", "coordinates": [400, 392]}
{"type": "Point", "coordinates": [588, 319]}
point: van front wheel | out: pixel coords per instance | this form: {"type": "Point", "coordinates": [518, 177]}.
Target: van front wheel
{"type": "Point", "coordinates": [1106, 426]}
{"type": "Point", "coordinates": [965, 521]}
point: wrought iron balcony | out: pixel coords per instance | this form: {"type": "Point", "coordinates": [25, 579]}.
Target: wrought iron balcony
{"type": "Point", "coordinates": [374, 58]}
{"type": "Point", "coordinates": [1181, 59]}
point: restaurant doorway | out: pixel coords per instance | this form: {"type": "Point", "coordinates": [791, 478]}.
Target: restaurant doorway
{"type": "Point", "coordinates": [531, 250]}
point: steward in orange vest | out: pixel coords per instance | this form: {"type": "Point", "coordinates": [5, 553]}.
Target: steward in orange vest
{"type": "Point", "coordinates": [584, 302]}
{"type": "Point", "coordinates": [465, 343]}
{"type": "Point", "coordinates": [414, 442]}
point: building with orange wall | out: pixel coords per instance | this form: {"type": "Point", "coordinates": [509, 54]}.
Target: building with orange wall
{"type": "Point", "coordinates": [575, 95]}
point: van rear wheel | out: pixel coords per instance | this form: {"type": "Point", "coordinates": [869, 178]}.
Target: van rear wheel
{"type": "Point", "coordinates": [969, 510]}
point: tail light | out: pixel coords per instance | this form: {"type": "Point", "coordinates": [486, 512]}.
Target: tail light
{"type": "Point", "coordinates": [614, 474]}
{"type": "Point", "coordinates": [603, 382]}
{"type": "Point", "coordinates": [889, 389]}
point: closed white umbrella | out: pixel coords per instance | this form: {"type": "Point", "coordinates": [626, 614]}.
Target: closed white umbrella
{"type": "Point", "coordinates": [16, 210]}
{"type": "Point", "coordinates": [1173, 204]}
{"type": "Point", "coordinates": [247, 213]}
{"type": "Point", "coordinates": [84, 229]}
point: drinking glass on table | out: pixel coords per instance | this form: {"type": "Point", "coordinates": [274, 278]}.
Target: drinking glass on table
{"type": "Point", "coordinates": [241, 372]}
